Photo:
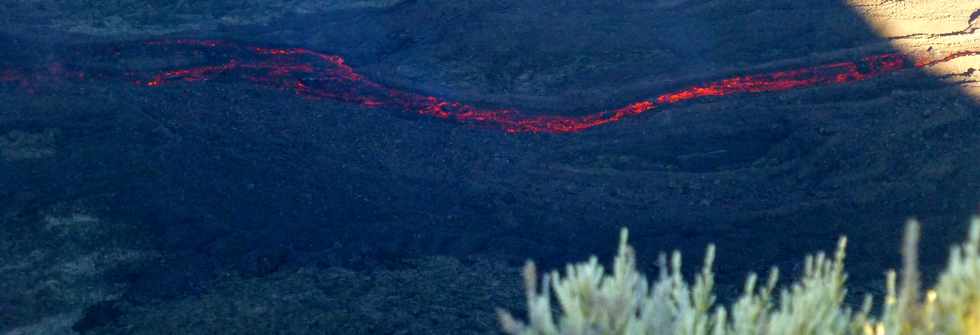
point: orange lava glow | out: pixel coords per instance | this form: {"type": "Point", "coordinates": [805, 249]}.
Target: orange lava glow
{"type": "Point", "coordinates": [317, 75]}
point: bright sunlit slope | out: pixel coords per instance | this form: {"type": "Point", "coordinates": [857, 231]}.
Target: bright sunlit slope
{"type": "Point", "coordinates": [931, 29]}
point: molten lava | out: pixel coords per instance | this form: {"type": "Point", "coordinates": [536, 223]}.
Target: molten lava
{"type": "Point", "coordinates": [322, 76]}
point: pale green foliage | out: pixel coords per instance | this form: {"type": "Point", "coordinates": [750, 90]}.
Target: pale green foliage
{"type": "Point", "coordinates": [953, 306]}
{"type": "Point", "coordinates": [624, 302]}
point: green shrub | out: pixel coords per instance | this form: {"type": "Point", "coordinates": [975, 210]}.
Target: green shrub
{"type": "Point", "coordinates": [592, 301]}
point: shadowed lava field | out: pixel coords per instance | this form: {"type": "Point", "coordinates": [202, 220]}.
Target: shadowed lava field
{"type": "Point", "coordinates": [229, 207]}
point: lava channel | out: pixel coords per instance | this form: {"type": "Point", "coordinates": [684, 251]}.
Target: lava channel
{"type": "Point", "coordinates": [318, 75]}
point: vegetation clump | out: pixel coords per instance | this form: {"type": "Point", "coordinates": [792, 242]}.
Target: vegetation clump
{"type": "Point", "coordinates": [624, 301]}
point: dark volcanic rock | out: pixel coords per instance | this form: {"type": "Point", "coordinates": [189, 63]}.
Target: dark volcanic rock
{"type": "Point", "coordinates": [96, 316]}
{"type": "Point", "coordinates": [223, 206]}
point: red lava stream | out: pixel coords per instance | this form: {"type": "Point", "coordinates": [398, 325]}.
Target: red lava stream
{"type": "Point", "coordinates": [317, 75]}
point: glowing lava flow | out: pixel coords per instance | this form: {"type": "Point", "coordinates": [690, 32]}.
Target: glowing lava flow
{"type": "Point", "coordinates": [318, 75]}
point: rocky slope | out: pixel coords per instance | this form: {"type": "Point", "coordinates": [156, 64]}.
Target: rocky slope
{"type": "Point", "coordinates": [136, 210]}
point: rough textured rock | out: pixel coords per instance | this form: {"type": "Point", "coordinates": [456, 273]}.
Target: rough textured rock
{"type": "Point", "coordinates": [129, 18]}
{"type": "Point", "coordinates": [19, 145]}
{"type": "Point", "coordinates": [428, 296]}
{"type": "Point", "coordinates": [217, 200]}
{"type": "Point", "coordinates": [57, 265]}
